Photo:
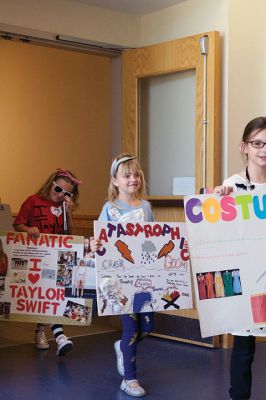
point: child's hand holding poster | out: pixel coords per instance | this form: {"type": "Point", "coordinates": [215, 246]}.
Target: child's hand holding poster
{"type": "Point", "coordinates": [142, 267]}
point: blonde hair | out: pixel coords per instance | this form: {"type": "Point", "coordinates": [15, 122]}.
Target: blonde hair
{"type": "Point", "coordinates": [45, 189]}
{"type": "Point", "coordinates": [131, 165]}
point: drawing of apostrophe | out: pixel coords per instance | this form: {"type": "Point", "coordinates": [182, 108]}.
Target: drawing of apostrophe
{"type": "Point", "coordinates": [166, 249]}
{"type": "Point", "coordinates": [123, 249]}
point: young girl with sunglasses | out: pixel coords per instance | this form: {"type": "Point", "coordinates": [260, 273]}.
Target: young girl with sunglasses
{"type": "Point", "coordinates": [125, 194]}
{"type": "Point", "coordinates": [50, 211]}
{"type": "Point", "coordinates": [253, 176]}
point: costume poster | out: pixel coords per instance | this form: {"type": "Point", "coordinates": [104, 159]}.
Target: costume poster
{"type": "Point", "coordinates": [227, 241]}
{"type": "Point", "coordinates": [40, 279]}
{"type": "Point", "coordinates": [142, 267]}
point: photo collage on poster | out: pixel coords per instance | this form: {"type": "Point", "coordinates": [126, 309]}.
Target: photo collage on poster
{"type": "Point", "coordinates": [77, 276]}
{"type": "Point", "coordinates": [217, 284]}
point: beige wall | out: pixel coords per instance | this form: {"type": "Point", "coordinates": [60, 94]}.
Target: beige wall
{"type": "Point", "coordinates": [247, 73]}
{"type": "Point", "coordinates": [241, 24]}
{"type": "Point", "coordinates": [189, 18]}
{"type": "Point", "coordinates": [55, 112]}
{"type": "Point", "coordinates": [52, 17]}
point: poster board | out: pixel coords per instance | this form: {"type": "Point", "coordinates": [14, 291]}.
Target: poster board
{"type": "Point", "coordinates": [227, 241]}
{"type": "Point", "coordinates": [5, 218]}
{"type": "Point", "coordinates": [38, 282]}
{"type": "Point", "coordinates": [142, 267]}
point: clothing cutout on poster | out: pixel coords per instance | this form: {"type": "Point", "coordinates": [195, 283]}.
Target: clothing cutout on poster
{"type": "Point", "coordinates": [210, 285]}
{"type": "Point", "coordinates": [202, 287]}
{"type": "Point", "coordinates": [236, 282]}
{"type": "Point", "coordinates": [219, 285]}
{"type": "Point", "coordinates": [228, 283]}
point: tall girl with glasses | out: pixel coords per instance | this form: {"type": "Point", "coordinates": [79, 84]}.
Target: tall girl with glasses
{"type": "Point", "coordinates": [253, 176]}
{"type": "Point", "coordinates": [50, 211]}
{"type": "Point", "coordinates": [126, 204]}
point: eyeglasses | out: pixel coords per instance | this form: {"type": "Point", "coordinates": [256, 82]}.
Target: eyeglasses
{"type": "Point", "coordinates": [257, 144]}
{"type": "Point", "coordinates": [59, 189]}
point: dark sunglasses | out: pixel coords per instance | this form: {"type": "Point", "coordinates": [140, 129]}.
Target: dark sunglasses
{"type": "Point", "coordinates": [59, 189]}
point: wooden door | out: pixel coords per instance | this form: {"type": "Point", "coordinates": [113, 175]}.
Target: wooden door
{"type": "Point", "coordinates": [165, 58]}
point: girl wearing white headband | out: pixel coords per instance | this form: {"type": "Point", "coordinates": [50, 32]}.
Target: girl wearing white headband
{"type": "Point", "coordinates": [126, 204]}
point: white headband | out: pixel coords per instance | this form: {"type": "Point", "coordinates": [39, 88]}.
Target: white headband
{"type": "Point", "coordinates": [116, 163]}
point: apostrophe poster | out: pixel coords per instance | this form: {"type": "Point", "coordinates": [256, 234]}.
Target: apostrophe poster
{"type": "Point", "coordinates": [142, 267]}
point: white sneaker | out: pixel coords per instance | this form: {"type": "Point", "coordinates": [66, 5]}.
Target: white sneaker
{"type": "Point", "coordinates": [41, 342]}
{"type": "Point", "coordinates": [64, 345]}
{"type": "Point", "coordinates": [119, 358]}
{"type": "Point", "coordinates": [132, 387]}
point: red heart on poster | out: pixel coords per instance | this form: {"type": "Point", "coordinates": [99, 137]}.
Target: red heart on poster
{"type": "Point", "coordinates": [33, 277]}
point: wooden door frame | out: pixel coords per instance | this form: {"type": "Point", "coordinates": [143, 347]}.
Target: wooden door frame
{"type": "Point", "coordinates": [168, 57]}
{"type": "Point", "coordinates": [165, 58]}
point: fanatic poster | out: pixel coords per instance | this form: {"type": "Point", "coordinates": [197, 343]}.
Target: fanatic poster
{"type": "Point", "coordinates": [40, 279]}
